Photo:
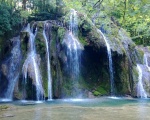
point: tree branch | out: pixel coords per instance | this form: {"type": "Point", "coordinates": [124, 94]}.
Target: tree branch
{"type": "Point", "coordinates": [99, 1]}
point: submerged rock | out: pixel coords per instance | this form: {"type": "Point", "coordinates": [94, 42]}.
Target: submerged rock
{"type": "Point", "coordinates": [7, 115]}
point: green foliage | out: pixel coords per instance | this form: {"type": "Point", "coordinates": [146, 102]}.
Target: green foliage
{"type": "Point", "coordinates": [41, 16]}
{"type": "Point", "coordinates": [100, 91]}
{"type": "Point", "coordinates": [15, 19]}
{"type": "Point", "coordinates": [131, 15]}
{"type": "Point", "coordinates": [8, 18]}
{"type": "Point", "coordinates": [40, 46]}
{"type": "Point", "coordinates": [61, 33]}
{"type": "Point", "coordinates": [5, 17]}
{"type": "Point", "coordinates": [83, 40]}
{"type": "Point", "coordinates": [96, 93]}
{"type": "Point", "coordinates": [24, 14]}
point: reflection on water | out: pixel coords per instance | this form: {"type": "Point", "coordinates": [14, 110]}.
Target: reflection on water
{"type": "Point", "coordinates": [143, 109]}
{"type": "Point", "coordinates": [37, 114]}
{"type": "Point", "coordinates": [74, 100]}
{"type": "Point", "coordinates": [78, 109]}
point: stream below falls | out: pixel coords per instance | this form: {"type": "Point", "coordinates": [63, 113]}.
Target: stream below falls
{"type": "Point", "coordinates": [104, 108]}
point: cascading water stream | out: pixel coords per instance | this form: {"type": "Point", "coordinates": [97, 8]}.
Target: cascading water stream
{"type": "Point", "coordinates": [74, 44]}
{"type": "Point", "coordinates": [110, 63]}
{"type": "Point", "coordinates": [48, 67]}
{"type": "Point", "coordinates": [73, 52]}
{"type": "Point", "coordinates": [146, 62]}
{"type": "Point", "coordinates": [31, 61]}
{"type": "Point", "coordinates": [13, 71]}
{"type": "Point", "coordinates": [140, 89]}
{"type": "Point", "coordinates": [73, 27]}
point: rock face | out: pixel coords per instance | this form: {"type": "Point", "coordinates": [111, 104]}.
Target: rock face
{"type": "Point", "coordinates": [144, 52]}
{"type": "Point", "coordinates": [10, 68]}
{"type": "Point", "coordinates": [94, 78]}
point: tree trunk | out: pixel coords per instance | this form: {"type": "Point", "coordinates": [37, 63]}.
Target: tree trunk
{"type": "Point", "coordinates": [24, 4]}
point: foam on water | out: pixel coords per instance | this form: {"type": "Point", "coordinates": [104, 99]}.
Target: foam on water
{"type": "Point", "coordinates": [114, 97]}
{"type": "Point", "coordinates": [5, 100]}
{"type": "Point", "coordinates": [74, 100]}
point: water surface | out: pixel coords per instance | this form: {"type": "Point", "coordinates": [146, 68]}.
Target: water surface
{"type": "Point", "coordinates": [105, 108]}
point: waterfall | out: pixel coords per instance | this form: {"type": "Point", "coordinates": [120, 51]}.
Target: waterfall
{"type": "Point", "coordinates": [146, 62]}
{"type": "Point", "coordinates": [48, 66]}
{"type": "Point", "coordinates": [73, 44]}
{"type": "Point", "coordinates": [13, 68]}
{"type": "Point", "coordinates": [73, 27]}
{"type": "Point", "coordinates": [110, 63]}
{"type": "Point", "coordinates": [140, 89]}
{"type": "Point", "coordinates": [73, 51]}
{"type": "Point", "coordinates": [31, 63]}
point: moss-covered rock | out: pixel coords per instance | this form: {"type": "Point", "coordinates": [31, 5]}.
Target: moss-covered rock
{"type": "Point", "coordinates": [24, 37]}
{"type": "Point", "coordinates": [89, 33]}
{"type": "Point", "coordinates": [94, 76]}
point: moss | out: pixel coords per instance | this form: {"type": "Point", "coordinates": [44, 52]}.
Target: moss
{"type": "Point", "coordinates": [83, 40]}
{"type": "Point", "coordinates": [40, 44]}
{"type": "Point", "coordinates": [44, 77]}
{"type": "Point", "coordinates": [18, 95]}
{"type": "Point", "coordinates": [61, 33]}
{"type": "Point", "coordinates": [94, 74]}
{"type": "Point", "coordinates": [1, 44]}
{"type": "Point", "coordinates": [40, 47]}
{"type": "Point", "coordinates": [82, 84]}
{"type": "Point", "coordinates": [53, 40]}
{"type": "Point", "coordinates": [66, 19]}
{"type": "Point", "coordinates": [24, 37]}
{"type": "Point", "coordinates": [67, 88]}
{"type": "Point", "coordinates": [3, 107]}
{"type": "Point", "coordinates": [135, 80]}
{"type": "Point", "coordinates": [90, 33]}
{"type": "Point", "coordinates": [148, 47]}
{"type": "Point", "coordinates": [86, 26]}
{"type": "Point", "coordinates": [111, 31]}
{"type": "Point", "coordinates": [135, 74]}
{"type": "Point", "coordinates": [102, 90]}
{"type": "Point", "coordinates": [96, 93]}
{"type": "Point", "coordinates": [40, 25]}
{"type": "Point", "coordinates": [140, 54]}
{"type": "Point", "coordinates": [121, 75]}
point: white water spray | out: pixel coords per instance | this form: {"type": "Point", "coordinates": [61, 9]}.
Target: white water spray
{"type": "Point", "coordinates": [110, 63]}
{"type": "Point", "coordinates": [140, 89]}
{"type": "Point", "coordinates": [48, 66]}
{"type": "Point", "coordinates": [31, 63]}
{"type": "Point", "coordinates": [13, 70]}
{"type": "Point", "coordinates": [74, 48]}
{"type": "Point", "coordinates": [146, 62]}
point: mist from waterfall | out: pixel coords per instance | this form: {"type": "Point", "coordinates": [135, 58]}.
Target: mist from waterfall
{"type": "Point", "coordinates": [13, 68]}
{"type": "Point", "coordinates": [73, 52]}
{"type": "Point", "coordinates": [48, 65]}
{"type": "Point", "coordinates": [140, 89]}
{"type": "Point", "coordinates": [31, 63]}
{"type": "Point", "coordinates": [110, 63]}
